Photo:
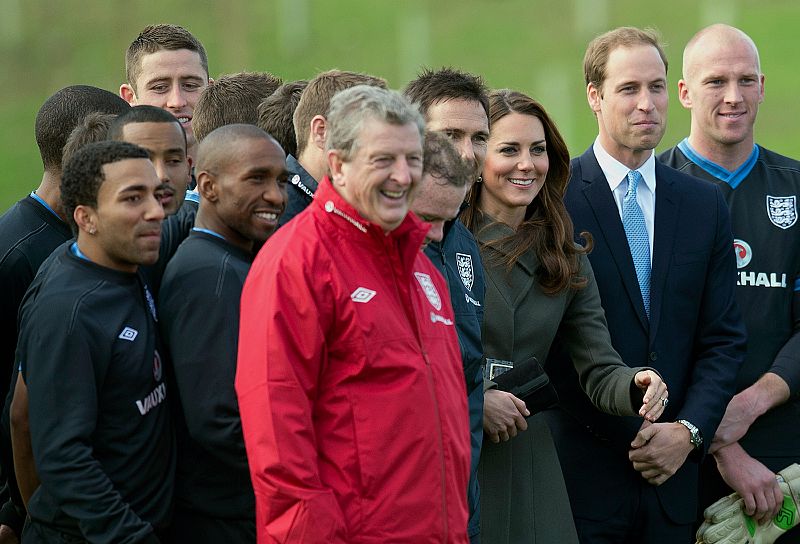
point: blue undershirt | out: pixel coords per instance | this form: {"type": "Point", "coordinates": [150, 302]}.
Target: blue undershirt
{"type": "Point", "coordinates": [77, 252]}
{"type": "Point", "coordinates": [38, 199]}
{"type": "Point", "coordinates": [208, 231]}
{"type": "Point", "coordinates": [733, 179]}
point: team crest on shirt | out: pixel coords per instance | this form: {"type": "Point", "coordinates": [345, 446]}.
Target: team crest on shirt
{"type": "Point", "coordinates": [744, 253]}
{"type": "Point", "coordinates": [157, 367]}
{"type": "Point", "coordinates": [426, 283]}
{"type": "Point", "coordinates": [465, 270]}
{"type": "Point", "coordinates": [782, 210]}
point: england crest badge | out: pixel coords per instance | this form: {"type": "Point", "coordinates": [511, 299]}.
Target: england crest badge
{"type": "Point", "coordinates": [426, 283]}
{"type": "Point", "coordinates": [465, 270]}
{"type": "Point", "coordinates": [782, 210]}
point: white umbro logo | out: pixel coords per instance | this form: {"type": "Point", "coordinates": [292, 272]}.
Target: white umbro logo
{"type": "Point", "coordinates": [128, 334]}
{"type": "Point", "coordinates": [362, 294]}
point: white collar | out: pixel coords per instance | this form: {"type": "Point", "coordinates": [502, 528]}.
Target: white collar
{"type": "Point", "coordinates": [615, 171]}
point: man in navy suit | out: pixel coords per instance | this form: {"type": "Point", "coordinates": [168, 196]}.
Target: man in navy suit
{"type": "Point", "coordinates": [664, 263]}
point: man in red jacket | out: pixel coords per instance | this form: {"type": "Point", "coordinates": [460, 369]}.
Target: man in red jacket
{"type": "Point", "coordinates": [349, 374]}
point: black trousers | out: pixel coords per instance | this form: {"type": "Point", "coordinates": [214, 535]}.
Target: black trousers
{"type": "Point", "coordinates": [640, 520]}
{"type": "Point", "coordinates": [197, 528]}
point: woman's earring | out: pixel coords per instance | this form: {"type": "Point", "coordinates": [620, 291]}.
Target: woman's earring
{"type": "Point", "coordinates": [480, 179]}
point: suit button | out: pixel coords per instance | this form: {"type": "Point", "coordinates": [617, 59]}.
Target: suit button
{"type": "Point", "coordinates": [653, 356]}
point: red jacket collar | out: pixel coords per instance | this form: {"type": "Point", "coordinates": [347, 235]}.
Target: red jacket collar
{"type": "Point", "coordinates": [409, 235]}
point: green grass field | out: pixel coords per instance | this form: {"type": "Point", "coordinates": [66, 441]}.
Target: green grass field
{"type": "Point", "coordinates": [535, 46]}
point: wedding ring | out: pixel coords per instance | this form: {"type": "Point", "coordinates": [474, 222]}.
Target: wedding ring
{"type": "Point", "coordinates": [664, 401]}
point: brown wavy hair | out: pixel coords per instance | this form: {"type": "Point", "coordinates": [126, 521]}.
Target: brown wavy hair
{"type": "Point", "coordinates": [547, 228]}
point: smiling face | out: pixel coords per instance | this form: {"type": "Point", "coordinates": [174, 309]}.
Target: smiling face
{"type": "Point", "coordinates": [172, 80]}
{"type": "Point", "coordinates": [248, 192]}
{"type": "Point", "coordinates": [723, 87]}
{"type": "Point", "coordinates": [380, 177]}
{"type": "Point", "coordinates": [123, 230]}
{"type": "Point", "coordinates": [515, 169]}
{"type": "Point", "coordinates": [166, 145]}
{"type": "Point", "coordinates": [631, 106]}
{"type": "Point", "coordinates": [465, 123]}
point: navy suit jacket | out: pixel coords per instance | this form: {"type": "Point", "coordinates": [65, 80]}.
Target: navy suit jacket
{"type": "Point", "coordinates": [695, 337]}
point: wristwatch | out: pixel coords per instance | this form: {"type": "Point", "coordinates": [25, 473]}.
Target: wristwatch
{"type": "Point", "coordinates": [694, 433]}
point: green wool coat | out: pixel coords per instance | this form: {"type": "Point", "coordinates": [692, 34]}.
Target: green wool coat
{"type": "Point", "coordinates": [523, 496]}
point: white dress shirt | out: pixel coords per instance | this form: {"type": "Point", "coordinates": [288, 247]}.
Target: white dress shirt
{"type": "Point", "coordinates": [616, 175]}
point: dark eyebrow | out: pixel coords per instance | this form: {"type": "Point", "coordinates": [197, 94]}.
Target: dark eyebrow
{"type": "Point", "coordinates": [133, 189]}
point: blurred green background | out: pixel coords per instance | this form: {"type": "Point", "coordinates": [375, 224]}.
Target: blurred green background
{"type": "Point", "coordinates": [535, 46]}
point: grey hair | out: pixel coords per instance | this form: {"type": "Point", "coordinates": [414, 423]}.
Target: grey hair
{"type": "Point", "coordinates": [351, 107]}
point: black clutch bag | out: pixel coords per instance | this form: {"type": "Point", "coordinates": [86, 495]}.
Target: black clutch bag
{"type": "Point", "coordinates": [526, 380]}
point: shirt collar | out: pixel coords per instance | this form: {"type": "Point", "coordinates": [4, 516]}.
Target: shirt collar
{"type": "Point", "coordinates": [615, 171]}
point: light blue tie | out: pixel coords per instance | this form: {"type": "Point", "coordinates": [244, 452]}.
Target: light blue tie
{"type": "Point", "coordinates": [636, 232]}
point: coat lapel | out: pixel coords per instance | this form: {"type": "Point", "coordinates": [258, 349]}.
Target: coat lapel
{"type": "Point", "coordinates": [666, 220]}
{"type": "Point", "coordinates": [598, 194]}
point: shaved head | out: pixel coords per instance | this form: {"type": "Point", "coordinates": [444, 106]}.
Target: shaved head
{"type": "Point", "coordinates": [723, 87]}
{"type": "Point", "coordinates": [241, 179]}
{"type": "Point", "coordinates": [219, 148]}
{"type": "Point", "coordinates": [714, 38]}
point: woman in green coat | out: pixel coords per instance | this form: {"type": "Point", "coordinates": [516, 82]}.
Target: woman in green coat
{"type": "Point", "coordinates": [539, 287]}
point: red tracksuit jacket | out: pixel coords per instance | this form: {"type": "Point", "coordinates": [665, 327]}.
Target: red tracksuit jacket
{"type": "Point", "coordinates": [350, 385]}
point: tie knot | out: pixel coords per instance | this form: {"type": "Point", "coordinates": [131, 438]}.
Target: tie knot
{"type": "Point", "coordinates": [634, 177]}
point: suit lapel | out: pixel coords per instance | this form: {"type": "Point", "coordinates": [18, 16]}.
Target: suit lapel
{"type": "Point", "coordinates": [598, 195]}
{"type": "Point", "coordinates": [666, 220]}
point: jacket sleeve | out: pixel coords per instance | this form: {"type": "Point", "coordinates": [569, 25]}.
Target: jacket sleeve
{"type": "Point", "coordinates": [787, 362]}
{"type": "Point", "coordinates": [16, 274]}
{"type": "Point", "coordinates": [607, 381]}
{"type": "Point", "coordinates": [63, 354]}
{"type": "Point", "coordinates": [282, 353]}
{"type": "Point", "coordinates": [202, 345]}
{"type": "Point", "coordinates": [719, 344]}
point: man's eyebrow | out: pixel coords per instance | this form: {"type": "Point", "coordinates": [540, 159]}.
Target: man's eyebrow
{"type": "Point", "coordinates": [133, 189]}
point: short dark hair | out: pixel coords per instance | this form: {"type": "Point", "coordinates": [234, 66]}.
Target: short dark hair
{"type": "Point", "coordinates": [154, 38]}
{"type": "Point", "coordinates": [83, 174]}
{"type": "Point", "coordinates": [232, 99]}
{"type": "Point", "coordinates": [93, 128]}
{"type": "Point", "coordinates": [63, 111]}
{"type": "Point", "coordinates": [432, 86]}
{"type": "Point", "coordinates": [599, 49]}
{"type": "Point", "coordinates": [442, 161]}
{"type": "Point", "coordinates": [276, 111]}
{"type": "Point", "coordinates": [316, 99]}
{"type": "Point", "coordinates": [142, 114]}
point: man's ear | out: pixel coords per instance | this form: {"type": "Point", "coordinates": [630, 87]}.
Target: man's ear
{"type": "Point", "coordinates": [335, 164]}
{"type": "Point", "coordinates": [207, 186]}
{"type": "Point", "coordinates": [594, 97]}
{"type": "Point", "coordinates": [128, 94]}
{"type": "Point", "coordinates": [86, 218]}
{"type": "Point", "coordinates": [683, 95]}
{"type": "Point", "coordinates": [317, 133]}
{"type": "Point", "coordinates": [190, 162]}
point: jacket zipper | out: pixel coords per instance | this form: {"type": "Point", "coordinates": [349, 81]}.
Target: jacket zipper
{"type": "Point", "coordinates": [431, 388]}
